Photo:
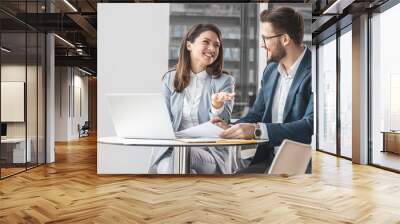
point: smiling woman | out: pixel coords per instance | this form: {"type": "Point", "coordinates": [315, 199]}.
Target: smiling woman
{"type": "Point", "coordinates": [195, 91]}
{"type": "Point", "coordinates": [239, 28]}
{"type": "Point", "coordinates": [204, 50]}
{"type": "Point", "coordinates": [200, 50]}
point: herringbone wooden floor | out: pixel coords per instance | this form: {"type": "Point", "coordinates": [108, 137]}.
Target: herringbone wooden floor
{"type": "Point", "coordinates": [70, 191]}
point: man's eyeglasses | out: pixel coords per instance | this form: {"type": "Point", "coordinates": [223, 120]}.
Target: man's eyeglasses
{"type": "Point", "coordinates": [265, 38]}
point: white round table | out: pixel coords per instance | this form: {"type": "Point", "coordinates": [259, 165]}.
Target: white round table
{"type": "Point", "coordinates": [181, 148]}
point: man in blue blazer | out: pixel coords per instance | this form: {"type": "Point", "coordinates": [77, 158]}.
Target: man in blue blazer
{"type": "Point", "coordinates": [284, 106]}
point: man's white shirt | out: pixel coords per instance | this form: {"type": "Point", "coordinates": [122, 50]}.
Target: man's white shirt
{"type": "Point", "coordinates": [281, 92]}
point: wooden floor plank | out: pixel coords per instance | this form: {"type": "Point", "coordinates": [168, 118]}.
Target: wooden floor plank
{"type": "Point", "coordinates": [70, 191]}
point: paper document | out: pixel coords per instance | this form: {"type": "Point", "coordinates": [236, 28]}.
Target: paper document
{"type": "Point", "coordinates": [205, 130]}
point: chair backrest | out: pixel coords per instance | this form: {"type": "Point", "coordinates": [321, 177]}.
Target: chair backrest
{"type": "Point", "coordinates": [292, 158]}
{"type": "Point", "coordinates": [86, 125]}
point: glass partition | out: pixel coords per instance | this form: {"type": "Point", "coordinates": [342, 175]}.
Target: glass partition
{"type": "Point", "coordinates": [327, 96]}
{"type": "Point", "coordinates": [13, 105]}
{"type": "Point", "coordinates": [22, 88]}
{"type": "Point", "coordinates": [385, 89]}
{"type": "Point", "coordinates": [346, 93]}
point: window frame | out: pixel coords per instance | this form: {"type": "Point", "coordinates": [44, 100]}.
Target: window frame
{"type": "Point", "coordinates": [333, 36]}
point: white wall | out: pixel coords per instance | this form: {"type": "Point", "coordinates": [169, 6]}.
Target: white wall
{"type": "Point", "coordinates": [61, 103]}
{"type": "Point", "coordinates": [18, 73]}
{"type": "Point", "coordinates": [68, 81]}
{"type": "Point", "coordinates": [81, 104]}
{"type": "Point", "coordinates": [13, 75]}
{"type": "Point", "coordinates": [132, 56]}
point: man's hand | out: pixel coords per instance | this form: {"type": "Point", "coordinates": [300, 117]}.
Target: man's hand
{"type": "Point", "coordinates": [220, 123]}
{"type": "Point", "coordinates": [218, 99]}
{"type": "Point", "coordinates": [243, 130]}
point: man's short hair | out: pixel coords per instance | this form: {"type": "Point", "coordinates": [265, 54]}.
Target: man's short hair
{"type": "Point", "coordinates": [285, 20]}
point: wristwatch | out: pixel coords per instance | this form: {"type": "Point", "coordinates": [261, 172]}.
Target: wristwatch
{"type": "Point", "coordinates": [257, 131]}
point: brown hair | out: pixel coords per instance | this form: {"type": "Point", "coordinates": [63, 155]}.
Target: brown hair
{"type": "Point", "coordinates": [182, 76]}
{"type": "Point", "coordinates": [285, 20]}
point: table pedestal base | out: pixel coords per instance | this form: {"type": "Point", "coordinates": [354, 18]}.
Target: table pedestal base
{"type": "Point", "coordinates": [181, 160]}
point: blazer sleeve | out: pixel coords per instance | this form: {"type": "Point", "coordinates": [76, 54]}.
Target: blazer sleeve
{"type": "Point", "coordinates": [228, 86]}
{"type": "Point", "coordinates": [300, 130]}
{"type": "Point", "coordinates": [257, 111]}
{"type": "Point", "coordinates": [167, 92]}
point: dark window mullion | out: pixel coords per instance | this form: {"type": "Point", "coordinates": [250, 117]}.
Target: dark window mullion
{"type": "Point", "coordinates": [369, 78]}
{"type": "Point", "coordinates": [243, 62]}
{"type": "Point", "coordinates": [316, 98]}
{"type": "Point", "coordinates": [44, 72]}
{"type": "Point", "coordinates": [338, 72]}
{"type": "Point", "coordinates": [26, 87]}
{"type": "Point", "coordinates": [256, 52]}
{"type": "Point", "coordinates": [37, 90]}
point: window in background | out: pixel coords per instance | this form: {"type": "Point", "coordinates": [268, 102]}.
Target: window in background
{"type": "Point", "coordinates": [327, 96]}
{"type": "Point", "coordinates": [385, 88]}
{"type": "Point", "coordinates": [238, 25]}
{"type": "Point", "coordinates": [346, 93]}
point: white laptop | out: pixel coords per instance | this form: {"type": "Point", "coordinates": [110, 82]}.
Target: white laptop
{"type": "Point", "coordinates": [140, 115]}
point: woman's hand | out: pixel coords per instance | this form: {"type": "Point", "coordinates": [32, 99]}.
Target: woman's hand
{"type": "Point", "coordinates": [218, 99]}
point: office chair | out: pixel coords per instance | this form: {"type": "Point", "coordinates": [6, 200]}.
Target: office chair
{"type": "Point", "coordinates": [84, 130]}
{"type": "Point", "coordinates": [292, 158]}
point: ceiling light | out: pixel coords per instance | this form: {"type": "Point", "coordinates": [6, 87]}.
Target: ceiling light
{"type": "Point", "coordinates": [84, 71]}
{"type": "Point", "coordinates": [79, 51]}
{"type": "Point", "coordinates": [338, 6]}
{"type": "Point", "coordinates": [5, 50]}
{"type": "Point", "coordinates": [65, 41]}
{"type": "Point", "coordinates": [70, 5]}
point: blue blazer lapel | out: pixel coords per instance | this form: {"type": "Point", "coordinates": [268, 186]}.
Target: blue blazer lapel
{"type": "Point", "coordinates": [302, 71]}
{"type": "Point", "coordinates": [269, 94]}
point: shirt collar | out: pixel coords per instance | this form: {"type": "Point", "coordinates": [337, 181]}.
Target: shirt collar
{"type": "Point", "coordinates": [293, 69]}
{"type": "Point", "coordinates": [201, 75]}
